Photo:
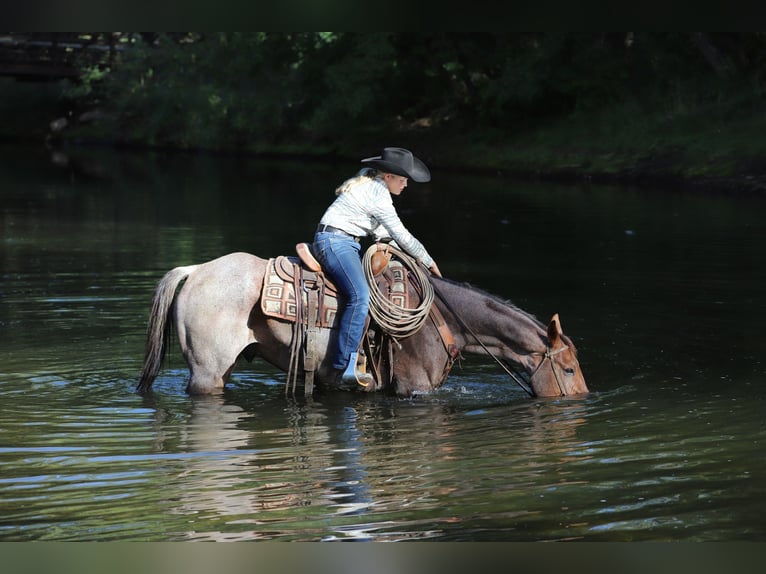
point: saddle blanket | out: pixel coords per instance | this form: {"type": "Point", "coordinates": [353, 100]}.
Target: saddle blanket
{"type": "Point", "coordinates": [278, 297]}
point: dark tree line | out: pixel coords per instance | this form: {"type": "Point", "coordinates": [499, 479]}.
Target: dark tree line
{"type": "Point", "coordinates": [230, 89]}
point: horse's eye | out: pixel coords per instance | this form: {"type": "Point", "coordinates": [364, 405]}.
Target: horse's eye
{"type": "Point", "coordinates": [569, 371]}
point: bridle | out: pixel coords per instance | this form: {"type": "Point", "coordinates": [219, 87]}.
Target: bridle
{"type": "Point", "coordinates": [549, 354]}
{"type": "Point", "coordinates": [512, 372]}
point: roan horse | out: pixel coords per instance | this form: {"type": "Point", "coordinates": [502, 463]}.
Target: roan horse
{"type": "Point", "coordinates": [217, 318]}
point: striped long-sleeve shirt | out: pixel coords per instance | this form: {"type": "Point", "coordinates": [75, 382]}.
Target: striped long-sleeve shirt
{"type": "Point", "coordinates": [366, 208]}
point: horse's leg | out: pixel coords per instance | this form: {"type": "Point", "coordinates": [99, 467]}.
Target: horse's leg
{"type": "Point", "coordinates": [412, 379]}
{"type": "Point", "coordinates": [419, 362]}
{"type": "Point", "coordinates": [212, 311]}
{"type": "Point", "coordinates": [210, 360]}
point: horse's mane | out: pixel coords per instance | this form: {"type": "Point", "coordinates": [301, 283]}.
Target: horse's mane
{"type": "Point", "coordinates": [504, 302]}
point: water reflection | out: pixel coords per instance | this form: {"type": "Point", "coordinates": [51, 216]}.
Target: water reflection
{"type": "Point", "coordinates": [367, 469]}
{"type": "Point", "coordinates": [229, 479]}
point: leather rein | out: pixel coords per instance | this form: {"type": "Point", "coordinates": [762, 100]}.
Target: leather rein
{"type": "Point", "coordinates": [513, 373]}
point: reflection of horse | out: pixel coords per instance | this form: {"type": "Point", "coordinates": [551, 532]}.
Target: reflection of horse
{"type": "Point", "coordinates": [218, 318]}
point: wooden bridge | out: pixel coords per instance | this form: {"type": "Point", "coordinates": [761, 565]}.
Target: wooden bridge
{"type": "Point", "coordinates": [50, 56]}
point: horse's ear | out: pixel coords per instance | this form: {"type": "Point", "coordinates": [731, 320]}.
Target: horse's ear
{"type": "Point", "coordinates": [554, 329]}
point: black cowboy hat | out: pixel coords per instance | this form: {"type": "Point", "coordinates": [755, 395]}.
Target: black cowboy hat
{"type": "Point", "coordinates": [401, 162]}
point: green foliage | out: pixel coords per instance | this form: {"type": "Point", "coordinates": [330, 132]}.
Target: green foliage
{"type": "Point", "coordinates": [91, 76]}
{"type": "Point", "coordinates": [263, 90]}
{"type": "Point", "coordinates": [212, 90]}
{"type": "Point", "coordinates": [352, 73]}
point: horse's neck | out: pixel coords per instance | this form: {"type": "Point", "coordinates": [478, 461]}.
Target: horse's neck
{"type": "Point", "coordinates": [501, 328]}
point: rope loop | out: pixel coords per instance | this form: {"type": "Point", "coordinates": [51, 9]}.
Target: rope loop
{"type": "Point", "coordinates": [398, 321]}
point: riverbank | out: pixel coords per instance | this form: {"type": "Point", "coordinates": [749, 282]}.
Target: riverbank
{"type": "Point", "coordinates": [716, 148]}
{"type": "Point", "coordinates": [709, 148]}
{"type": "Point", "coordinates": [677, 167]}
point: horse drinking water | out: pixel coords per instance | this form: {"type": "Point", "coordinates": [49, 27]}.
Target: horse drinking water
{"type": "Point", "coordinates": [220, 314]}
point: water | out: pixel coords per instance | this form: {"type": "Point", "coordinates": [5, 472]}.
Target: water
{"type": "Point", "coordinates": [660, 290]}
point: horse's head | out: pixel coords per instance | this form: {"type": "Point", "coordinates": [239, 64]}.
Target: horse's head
{"type": "Point", "coordinates": [558, 373]}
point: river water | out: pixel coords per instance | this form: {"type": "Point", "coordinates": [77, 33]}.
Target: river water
{"type": "Point", "coordinates": [660, 290]}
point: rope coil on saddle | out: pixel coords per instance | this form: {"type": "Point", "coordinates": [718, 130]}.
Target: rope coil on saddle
{"type": "Point", "coordinates": [396, 320]}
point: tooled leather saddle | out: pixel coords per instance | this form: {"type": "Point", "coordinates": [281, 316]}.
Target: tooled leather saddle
{"type": "Point", "coordinates": [292, 284]}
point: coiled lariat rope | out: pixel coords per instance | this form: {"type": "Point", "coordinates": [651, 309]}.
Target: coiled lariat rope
{"type": "Point", "coordinates": [397, 321]}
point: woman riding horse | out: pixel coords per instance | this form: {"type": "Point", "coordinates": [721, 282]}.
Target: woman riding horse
{"type": "Point", "coordinates": [364, 207]}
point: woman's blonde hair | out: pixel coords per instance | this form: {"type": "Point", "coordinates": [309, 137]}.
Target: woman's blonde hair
{"type": "Point", "coordinates": [364, 175]}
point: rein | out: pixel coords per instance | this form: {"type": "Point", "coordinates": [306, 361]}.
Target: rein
{"type": "Point", "coordinates": [511, 373]}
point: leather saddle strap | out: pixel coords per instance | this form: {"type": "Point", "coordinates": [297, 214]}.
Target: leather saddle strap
{"type": "Point", "coordinates": [448, 339]}
{"type": "Point", "coordinates": [310, 352]}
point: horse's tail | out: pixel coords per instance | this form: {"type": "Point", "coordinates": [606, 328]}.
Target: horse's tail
{"type": "Point", "coordinates": [158, 331]}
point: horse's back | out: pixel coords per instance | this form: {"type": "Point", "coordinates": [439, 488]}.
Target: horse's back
{"type": "Point", "coordinates": [229, 284]}
{"type": "Point", "coordinates": [238, 261]}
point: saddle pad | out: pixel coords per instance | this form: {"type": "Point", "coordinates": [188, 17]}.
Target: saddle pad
{"type": "Point", "coordinates": [278, 293]}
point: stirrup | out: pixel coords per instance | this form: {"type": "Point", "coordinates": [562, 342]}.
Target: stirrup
{"type": "Point", "coordinates": [352, 375]}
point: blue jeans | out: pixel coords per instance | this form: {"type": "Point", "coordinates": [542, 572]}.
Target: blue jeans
{"type": "Point", "coordinates": [339, 256]}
